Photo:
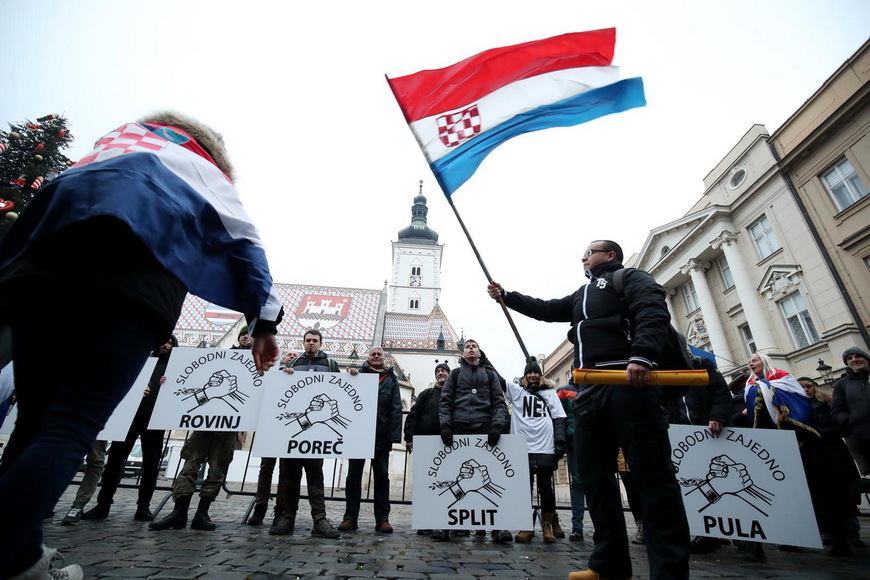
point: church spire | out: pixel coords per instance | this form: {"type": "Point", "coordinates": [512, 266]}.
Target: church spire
{"type": "Point", "coordinates": [419, 232]}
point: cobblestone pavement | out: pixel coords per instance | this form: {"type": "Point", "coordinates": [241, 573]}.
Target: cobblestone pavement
{"type": "Point", "coordinates": [120, 547]}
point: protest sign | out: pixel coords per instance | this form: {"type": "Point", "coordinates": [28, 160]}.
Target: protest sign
{"type": "Point", "coordinates": [470, 484]}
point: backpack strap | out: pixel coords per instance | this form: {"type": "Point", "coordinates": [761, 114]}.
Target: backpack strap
{"type": "Point", "coordinates": [619, 282]}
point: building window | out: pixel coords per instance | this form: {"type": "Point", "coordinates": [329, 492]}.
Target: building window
{"type": "Point", "coordinates": [748, 339]}
{"type": "Point", "coordinates": [800, 325]}
{"type": "Point", "coordinates": [416, 270]}
{"type": "Point", "coordinates": [763, 237]}
{"type": "Point", "coordinates": [725, 270]}
{"type": "Point", "coordinates": [843, 184]}
{"type": "Point", "coordinates": [413, 304]}
{"type": "Point", "coordinates": [691, 296]}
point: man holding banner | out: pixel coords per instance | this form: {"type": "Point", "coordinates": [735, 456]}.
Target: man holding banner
{"type": "Point", "coordinates": [619, 331]}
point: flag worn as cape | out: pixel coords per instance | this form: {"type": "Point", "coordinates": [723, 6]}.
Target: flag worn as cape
{"type": "Point", "coordinates": [783, 398]}
{"type": "Point", "coordinates": [162, 184]}
{"type": "Point", "coordinates": [460, 113]}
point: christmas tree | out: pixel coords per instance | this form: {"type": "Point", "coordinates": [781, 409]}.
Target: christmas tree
{"type": "Point", "coordinates": [30, 155]}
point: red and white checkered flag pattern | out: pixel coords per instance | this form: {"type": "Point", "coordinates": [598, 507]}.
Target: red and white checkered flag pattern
{"type": "Point", "coordinates": [128, 139]}
{"type": "Point", "coordinates": [456, 128]}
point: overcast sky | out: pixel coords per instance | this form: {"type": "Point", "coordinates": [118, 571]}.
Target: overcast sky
{"type": "Point", "coordinates": [328, 169]}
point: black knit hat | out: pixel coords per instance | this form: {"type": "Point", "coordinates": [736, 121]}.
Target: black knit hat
{"type": "Point", "coordinates": [854, 350]}
{"type": "Point", "coordinates": [532, 366]}
{"type": "Point", "coordinates": [442, 366]}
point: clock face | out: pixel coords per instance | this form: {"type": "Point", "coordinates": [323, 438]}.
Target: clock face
{"type": "Point", "coordinates": [416, 280]}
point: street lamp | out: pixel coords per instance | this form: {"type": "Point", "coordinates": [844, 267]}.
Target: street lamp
{"type": "Point", "coordinates": [825, 371]}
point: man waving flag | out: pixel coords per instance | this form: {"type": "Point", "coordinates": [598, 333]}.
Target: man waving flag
{"type": "Point", "coordinates": [460, 113]}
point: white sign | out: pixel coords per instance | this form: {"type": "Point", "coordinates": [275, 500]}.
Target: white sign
{"type": "Point", "coordinates": [209, 389]}
{"type": "Point", "coordinates": [119, 422]}
{"type": "Point", "coordinates": [9, 421]}
{"type": "Point", "coordinates": [746, 484]}
{"type": "Point", "coordinates": [471, 485]}
{"type": "Point", "coordinates": [312, 414]}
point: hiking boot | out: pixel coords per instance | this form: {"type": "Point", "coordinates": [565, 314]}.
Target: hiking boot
{"type": "Point", "coordinates": [98, 512]}
{"type": "Point", "coordinates": [424, 532]}
{"type": "Point", "coordinates": [177, 518]}
{"type": "Point", "coordinates": [524, 536]}
{"type": "Point", "coordinates": [43, 568]}
{"type": "Point", "coordinates": [588, 574]}
{"type": "Point", "coordinates": [503, 537]}
{"type": "Point", "coordinates": [279, 511]}
{"type": "Point", "coordinates": [347, 526]}
{"type": "Point", "coordinates": [754, 552]}
{"type": "Point", "coordinates": [382, 527]}
{"type": "Point", "coordinates": [284, 525]}
{"type": "Point", "coordinates": [440, 535]}
{"type": "Point", "coordinates": [143, 514]}
{"type": "Point", "coordinates": [257, 516]}
{"type": "Point", "coordinates": [73, 517]}
{"type": "Point", "coordinates": [557, 528]}
{"type": "Point", "coordinates": [638, 536]}
{"type": "Point", "coordinates": [323, 528]}
{"type": "Point", "coordinates": [703, 545]}
{"type": "Point", "coordinates": [201, 521]}
{"type": "Point", "coordinates": [576, 536]}
{"type": "Point", "coordinates": [547, 527]}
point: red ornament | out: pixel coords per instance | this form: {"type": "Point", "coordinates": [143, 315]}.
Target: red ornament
{"type": "Point", "coordinates": [4, 147]}
{"type": "Point", "coordinates": [40, 147]}
{"type": "Point", "coordinates": [48, 118]}
{"type": "Point", "coordinates": [6, 205]}
{"type": "Point", "coordinates": [32, 126]}
{"type": "Point", "coordinates": [37, 183]}
{"type": "Point", "coordinates": [60, 134]}
{"type": "Point", "coordinates": [18, 182]}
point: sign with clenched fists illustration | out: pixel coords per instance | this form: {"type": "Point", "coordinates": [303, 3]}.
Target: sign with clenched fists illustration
{"type": "Point", "coordinates": [745, 484]}
{"type": "Point", "coordinates": [316, 414]}
{"type": "Point", "coordinates": [210, 389]}
{"type": "Point", "coordinates": [471, 484]}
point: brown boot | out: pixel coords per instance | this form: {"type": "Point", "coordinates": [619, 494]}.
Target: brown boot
{"type": "Point", "coordinates": [557, 529]}
{"type": "Point", "coordinates": [547, 527]}
{"type": "Point", "coordinates": [524, 536]}
{"type": "Point", "coordinates": [588, 574]}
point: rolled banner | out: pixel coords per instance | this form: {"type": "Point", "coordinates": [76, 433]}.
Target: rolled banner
{"type": "Point", "coordinates": [674, 378]}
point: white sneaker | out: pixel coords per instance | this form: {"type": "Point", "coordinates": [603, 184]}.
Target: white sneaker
{"type": "Point", "coordinates": [44, 569]}
{"type": "Point", "coordinates": [73, 517]}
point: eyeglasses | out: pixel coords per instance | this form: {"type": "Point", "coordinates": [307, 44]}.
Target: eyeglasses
{"type": "Point", "coordinates": [592, 251]}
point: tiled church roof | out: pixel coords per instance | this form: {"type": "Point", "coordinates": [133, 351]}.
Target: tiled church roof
{"type": "Point", "coordinates": [347, 317]}
{"type": "Point", "coordinates": [418, 331]}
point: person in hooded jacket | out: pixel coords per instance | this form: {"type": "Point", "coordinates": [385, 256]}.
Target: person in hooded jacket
{"type": "Point", "coordinates": [539, 416]}
{"type": "Point", "coordinates": [148, 216]}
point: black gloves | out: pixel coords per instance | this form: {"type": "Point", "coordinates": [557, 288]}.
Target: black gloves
{"type": "Point", "coordinates": [447, 436]}
{"type": "Point", "coordinates": [493, 438]}
{"type": "Point", "coordinates": [561, 449]}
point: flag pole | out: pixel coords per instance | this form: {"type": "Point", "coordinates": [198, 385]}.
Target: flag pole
{"type": "Point", "coordinates": [489, 279]}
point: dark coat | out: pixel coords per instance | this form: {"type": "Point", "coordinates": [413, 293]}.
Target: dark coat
{"type": "Point", "coordinates": [389, 423]}
{"type": "Point", "coordinates": [474, 402]}
{"type": "Point", "coordinates": [609, 334]}
{"type": "Point", "coordinates": [850, 407]}
{"type": "Point", "coordinates": [423, 417]}
{"type": "Point", "coordinates": [701, 405]}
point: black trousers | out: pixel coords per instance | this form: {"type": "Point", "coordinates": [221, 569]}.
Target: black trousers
{"type": "Point", "coordinates": [605, 419]}
{"type": "Point", "coordinates": [152, 450]}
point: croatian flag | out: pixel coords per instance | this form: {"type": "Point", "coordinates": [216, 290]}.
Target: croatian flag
{"type": "Point", "coordinates": [460, 113]}
{"type": "Point", "coordinates": [784, 399]}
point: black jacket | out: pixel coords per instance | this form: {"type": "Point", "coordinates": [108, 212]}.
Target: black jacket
{"type": "Point", "coordinates": [700, 405]}
{"type": "Point", "coordinates": [423, 417]}
{"type": "Point", "coordinates": [474, 403]}
{"type": "Point", "coordinates": [609, 333]}
{"type": "Point", "coordinates": [320, 363]}
{"type": "Point", "coordinates": [389, 423]}
{"type": "Point", "coordinates": [851, 405]}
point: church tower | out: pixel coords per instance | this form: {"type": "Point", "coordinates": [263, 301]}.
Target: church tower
{"type": "Point", "coordinates": [416, 280]}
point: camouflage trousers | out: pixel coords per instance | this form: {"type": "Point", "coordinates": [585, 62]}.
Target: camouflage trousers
{"type": "Point", "coordinates": [214, 448]}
